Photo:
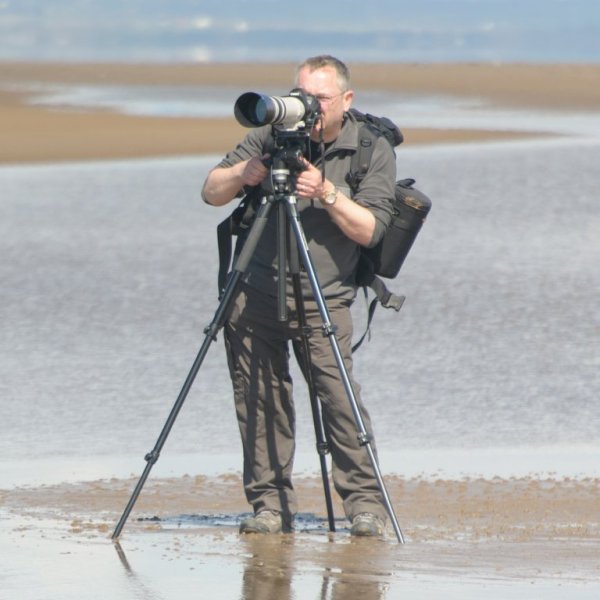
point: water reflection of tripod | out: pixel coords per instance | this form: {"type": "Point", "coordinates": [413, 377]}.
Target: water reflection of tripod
{"type": "Point", "coordinates": [284, 162]}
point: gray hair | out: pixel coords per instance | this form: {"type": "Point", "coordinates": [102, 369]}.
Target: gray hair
{"type": "Point", "coordinates": [325, 60]}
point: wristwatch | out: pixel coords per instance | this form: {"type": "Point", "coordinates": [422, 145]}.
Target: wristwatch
{"type": "Point", "coordinates": [331, 197]}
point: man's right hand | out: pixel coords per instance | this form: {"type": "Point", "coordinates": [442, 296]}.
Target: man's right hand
{"type": "Point", "coordinates": [255, 170]}
{"type": "Point", "coordinates": [223, 184]}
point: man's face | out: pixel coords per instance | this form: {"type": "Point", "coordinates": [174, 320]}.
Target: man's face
{"type": "Point", "coordinates": [322, 83]}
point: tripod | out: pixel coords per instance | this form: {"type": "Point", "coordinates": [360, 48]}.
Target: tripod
{"type": "Point", "coordinates": [285, 201]}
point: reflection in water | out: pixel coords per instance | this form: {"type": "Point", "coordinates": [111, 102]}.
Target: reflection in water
{"type": "Point", "coordinates": [137, 587]}
{"type": "Point", "coordinates": [279, 567]}
{"type": "Point", "coordinates": [268, 571]}
{"type": "Point", "coordinates": [351, 570]}
{"type": "Point", "coordinates": [272, 570]}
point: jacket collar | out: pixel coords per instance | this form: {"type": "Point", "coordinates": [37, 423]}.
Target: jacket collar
{"type": "Point", "coordinates": [348, 137]}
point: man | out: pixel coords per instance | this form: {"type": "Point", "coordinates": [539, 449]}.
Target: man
{"type": "Point", "coordinates": [336, 223]}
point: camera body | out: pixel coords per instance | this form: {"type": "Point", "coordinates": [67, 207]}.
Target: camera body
{"type": "Point", "coordinates": [296, 112]}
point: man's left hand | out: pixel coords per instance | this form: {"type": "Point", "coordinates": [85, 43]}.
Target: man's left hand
{"type": "Point", "coordinates": [310, 183]}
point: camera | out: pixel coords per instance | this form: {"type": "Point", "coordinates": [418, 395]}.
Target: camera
{"type": "Point", "coordinates": [297, 111]}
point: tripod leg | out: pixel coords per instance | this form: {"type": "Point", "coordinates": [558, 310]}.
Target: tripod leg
{"type": "Point", "coordinates": [315, 403]}
{"type": "Point", "coordinates": [317, 413]}
{"type": "Point", "coordinates": [210, 335]}
{"type": "Point", "coordinates": [329, 330]}
{"type": "Point", "coordinates": [154, 454]}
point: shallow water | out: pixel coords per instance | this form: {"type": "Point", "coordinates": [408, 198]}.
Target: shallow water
{"type": "Point", "coordinates": [108, 277]}
{"type": "Point", "coordinates": [219, 564]}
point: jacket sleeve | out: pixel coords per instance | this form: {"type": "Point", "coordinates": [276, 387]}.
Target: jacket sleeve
{"type": "Point", "coordinates": [376, 191]}
{"type": "Point", "coordinates": [256, 143]}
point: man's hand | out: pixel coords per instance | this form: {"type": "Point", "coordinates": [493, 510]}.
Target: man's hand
{"type": "Point", "coordinates": [254, 170]}
{"type": "Point", "coordinates": [224, 183]}
{"type": "Point", "coordinates": [357, 222]}
{"type": "Point", "coordinates": [309, 183]}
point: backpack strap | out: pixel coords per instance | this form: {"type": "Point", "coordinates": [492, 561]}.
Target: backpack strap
{"type": "Point", "coordinates": [383, 296]}
{"type": "Point", "coordinates": [224, 235]}
{"type": "Point", "coordinates": [361, 159]}
{"type": "Point", "coordinates": [371, 128]}
{"type": "Point", "coordinates": [237, 223]}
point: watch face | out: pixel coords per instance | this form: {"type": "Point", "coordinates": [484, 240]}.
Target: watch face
{"type": "Point", "coordinates": [331, 197]}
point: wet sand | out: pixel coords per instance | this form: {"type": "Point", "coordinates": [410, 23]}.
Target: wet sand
{"type": "Point", "coordinates": [37, 133]}
{"type": "Point", "coordinates": [517, 509]}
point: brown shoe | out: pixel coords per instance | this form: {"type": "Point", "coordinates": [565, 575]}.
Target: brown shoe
{"type": "Point", "coordinates": [266, 521]}
{"type": "Point", "coordinates": [368, 525]}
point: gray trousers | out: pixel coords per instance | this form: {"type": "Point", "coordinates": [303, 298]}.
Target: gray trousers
{"type": "Point", "coordinates": [258, 355]}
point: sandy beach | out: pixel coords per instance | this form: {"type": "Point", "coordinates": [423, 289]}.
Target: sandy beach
{"type": "Point", "coordinates": [502, 537]}
{"type": "Point", "coordinates": [34, 133]}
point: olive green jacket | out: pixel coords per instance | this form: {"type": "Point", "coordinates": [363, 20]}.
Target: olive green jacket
{"type": "Point", "coordinates": [333, 254]}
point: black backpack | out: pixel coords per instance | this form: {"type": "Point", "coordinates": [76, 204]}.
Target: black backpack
{"type": "Point", "coordinates": [410, 208]}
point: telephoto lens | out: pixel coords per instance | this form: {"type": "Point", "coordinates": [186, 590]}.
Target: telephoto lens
{"type": "Point", "coordinates": [290, 112]}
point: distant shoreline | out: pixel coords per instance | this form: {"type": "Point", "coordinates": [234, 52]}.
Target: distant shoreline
{"type": "Point", "coordinates": [40, 134]}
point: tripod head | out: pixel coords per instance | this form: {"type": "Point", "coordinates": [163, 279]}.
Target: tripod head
{"type": "Point", "coordinates": [287, 160]}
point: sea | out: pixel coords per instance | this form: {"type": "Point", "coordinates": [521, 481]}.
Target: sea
{"type": "Point", "coordinates": [267, 30]}
{"type": "Point", "coordinates": [492, 368]}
